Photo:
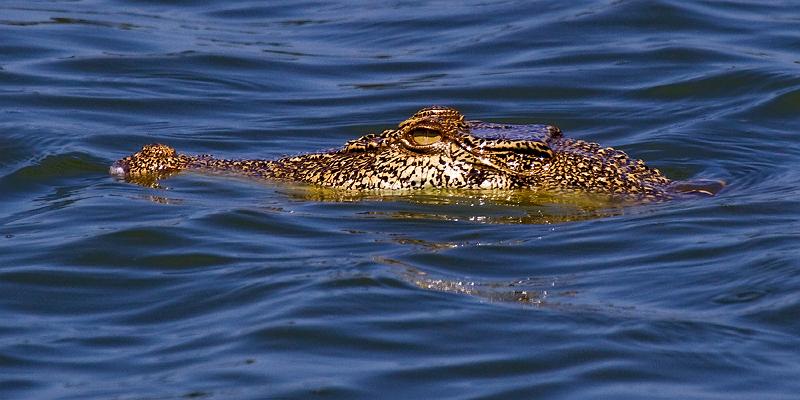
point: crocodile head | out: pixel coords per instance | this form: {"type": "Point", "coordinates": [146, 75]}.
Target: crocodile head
{"type": "Point", "coordinates": [435, 148]}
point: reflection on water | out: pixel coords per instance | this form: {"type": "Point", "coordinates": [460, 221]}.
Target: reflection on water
{"type": "Point", "coordinates": [529, 291]}
{"type": "Point", "coordinates": [482, 206]}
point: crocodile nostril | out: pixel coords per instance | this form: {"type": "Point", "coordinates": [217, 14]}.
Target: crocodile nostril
{"type": "Point", "coordinates": [118, 169]}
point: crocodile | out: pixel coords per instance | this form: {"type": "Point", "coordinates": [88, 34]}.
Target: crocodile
{"type": "Point", "coordinates": [438, 148]}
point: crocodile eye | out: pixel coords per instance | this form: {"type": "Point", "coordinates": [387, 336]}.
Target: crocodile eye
{"type": "Point", "coordinates": [425, 136]}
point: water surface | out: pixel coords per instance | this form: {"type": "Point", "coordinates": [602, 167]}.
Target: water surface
{"type": "Point", "coordinates": [213, 287]}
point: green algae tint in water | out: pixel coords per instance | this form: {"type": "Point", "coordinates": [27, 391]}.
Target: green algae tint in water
{"type": "Point", "coordinates": [215, 287]}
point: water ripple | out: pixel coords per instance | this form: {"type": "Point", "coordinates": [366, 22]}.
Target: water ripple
{"type": "Point", "coordinates": [212, 287]}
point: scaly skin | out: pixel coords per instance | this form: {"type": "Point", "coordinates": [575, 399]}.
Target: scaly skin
{"type": "Point", "coordinates": [435, 148]}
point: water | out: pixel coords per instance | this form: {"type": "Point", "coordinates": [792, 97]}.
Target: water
{"type": "Point", "coordinates": [222, 288]}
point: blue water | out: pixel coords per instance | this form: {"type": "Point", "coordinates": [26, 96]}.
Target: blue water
{"type": "Point", "coordinates": [219, 288]}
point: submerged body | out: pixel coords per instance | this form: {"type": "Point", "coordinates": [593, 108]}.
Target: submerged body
{"type": "Point", "coordinates": [435, 148]}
